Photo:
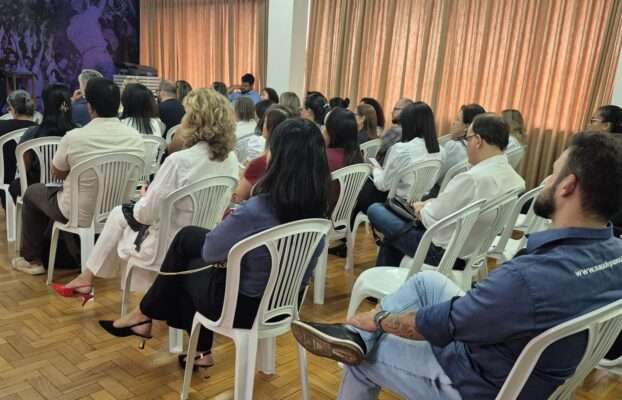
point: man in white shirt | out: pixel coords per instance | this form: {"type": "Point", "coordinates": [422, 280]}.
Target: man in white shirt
{"type": "Point", "coordinates": [105, 134]}
{"type": "Point", "coordinates": [490, 177]}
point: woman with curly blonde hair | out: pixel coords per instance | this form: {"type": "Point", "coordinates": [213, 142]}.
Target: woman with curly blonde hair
{"type": "Point", "coordinates": [208, 138]}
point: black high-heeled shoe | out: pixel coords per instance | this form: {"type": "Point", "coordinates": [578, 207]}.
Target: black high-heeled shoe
{"type": "Point", "coordinates": [126, 330]}
{"type": "Point", "coordinates": [182, 360]}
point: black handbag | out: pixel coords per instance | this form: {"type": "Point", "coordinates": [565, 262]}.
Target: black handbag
{"type": "Point", "coordinates": [402, 209]}
{"type": "Point", "coordinates": [142, 229]}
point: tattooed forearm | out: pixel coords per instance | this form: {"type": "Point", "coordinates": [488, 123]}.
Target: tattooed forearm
{"type": "Point", "coordinates": [403, 325]}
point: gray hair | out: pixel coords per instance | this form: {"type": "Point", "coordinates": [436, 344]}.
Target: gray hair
{"type": "Point", "coordinates": [168, 87]}
{"type": "Point", "coordinates": [21, 102]}
{"type": "Point", "coordinates": [86, 75]}
{"type": "Point", "coordinates": [244, 108]}
{"type": "Point", "coordinates": [291, 101]}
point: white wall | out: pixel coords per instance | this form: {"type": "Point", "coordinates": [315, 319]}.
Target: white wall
{"type": "Point", "coordinates": [287, 38]}
{"type": "Point", "coordinates": [616, 97]}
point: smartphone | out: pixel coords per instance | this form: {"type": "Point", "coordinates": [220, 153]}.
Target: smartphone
{"type": "Point", "coordinates": [374, 162]}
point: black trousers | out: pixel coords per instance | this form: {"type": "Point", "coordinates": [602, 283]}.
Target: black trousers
{"type": "Point", "coordinates": [175, 299]}
{"type": "Point", "coordinates": [368, 196]}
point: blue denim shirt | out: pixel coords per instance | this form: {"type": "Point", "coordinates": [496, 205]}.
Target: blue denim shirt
{"type": "Point", "coordinates": [80, 113]}
{"type": "Point", "coordinates": [251, 94]}
{"type": "Point", "coordinates": [562, 274]}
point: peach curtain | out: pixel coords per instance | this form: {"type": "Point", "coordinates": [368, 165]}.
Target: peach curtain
{"type": "Point", "coordinates": [554, 60]}
{"type": "Point", "coordinates": [202, 41]}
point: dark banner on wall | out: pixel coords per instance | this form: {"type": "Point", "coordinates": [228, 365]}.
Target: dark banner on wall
{"type": "Point", "coordinates": [56, 39]}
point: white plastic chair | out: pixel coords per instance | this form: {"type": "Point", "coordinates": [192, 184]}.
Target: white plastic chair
{"type": "Point", "coordinates": [504, 247]}
{"type": "Point", "coordinates": [602, 326]}
{"type": "Point", "coordinates": [515, 156]}
{"type": "Point", "coordinates": [241, 147]}
{"type": "Point", "coordinates": [291, 247]}
{"type": "Point", "coordinates": [370, 148]}
{"type": "Point", "coordinates": [116, 177]}
{"type": "Point", "coordinates": [452, 172]}
{"type": "Point", "coordinates": [6, 116]}
{"type": "Point", "coordinates": [380, 281]}
{"type": "Point", "coordinates": [154, 149]}
{"type": "Point", "coordinates": [210, 198]}
{"type": "Point", "coordinates": [424, 174]}
{"type": "Point", "coordinates": [43, 149]}
{"type": "Point", "coordinates": [444, 139]}
{"type": "Point", "coordinates": [612, 366]}
{"type": "Point", "coordinates": [351, 180]}
{"type": "Point", "coordinates": [171, 132]}
{"type": "Point", "coordinates": [37, 117]}
{"type": "Point", "coordinates": [9, 209]}
{"type": "Point", "coordinates": [494, 217]}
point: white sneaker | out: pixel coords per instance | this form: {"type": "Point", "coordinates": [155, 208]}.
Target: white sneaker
{"type": "Point", "coordinates": [23, 265]}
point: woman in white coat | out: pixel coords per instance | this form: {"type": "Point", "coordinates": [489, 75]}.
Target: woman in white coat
{"type": "Point", "coordinates": [208, 128]}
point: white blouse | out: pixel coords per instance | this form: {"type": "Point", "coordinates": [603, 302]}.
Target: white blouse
{"type": "Point", "coordinates": [156, 126]}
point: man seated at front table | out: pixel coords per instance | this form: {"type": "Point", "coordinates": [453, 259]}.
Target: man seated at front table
{"type": "Point", "coordinates": [490, 177]}
{"type": "Point", "coordinates": [245, 89]}
{"type": "Point", "coordinates": [463, 345]}
{"type": "Point", "coordinates": [43, 205]}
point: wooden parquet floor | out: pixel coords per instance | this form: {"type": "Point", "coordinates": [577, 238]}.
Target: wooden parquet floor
{"type": "Point", "coordinates": [52, 348]}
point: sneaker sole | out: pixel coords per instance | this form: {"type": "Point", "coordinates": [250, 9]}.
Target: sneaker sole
{"type": "Point", "coordinates": [326, 346]}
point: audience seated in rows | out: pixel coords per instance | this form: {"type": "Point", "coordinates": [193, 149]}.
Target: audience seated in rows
{"type": "Point", "coordinates": [208, 130]}
{"type": "Point", "coordinates": [291, 101]}
{"type": "Point", "coordinates": [268, 93]}
{"type": "Point", "coordinates": [490, 177]}
{"type": "Point", "coordinates": [57, 121]}
{"type": "Point", "coordinates": [367, 123]}
{"type": "Point", "coordinates": [244, 90]}
{"type": "Point", "coordinates": [284, 194]}
{"type": "Point", "coordinates": [394, 133]}
{"type": "Point", "coordinates": [315, 108]}
{"type": "Point", "coordinates": [170, 109]}
{"type": "Point", "coordinates": [418, 143]}
{"type": "Point", "coordinates": [430, 340]}
{"type": "Point", "coordinates": [380, 120]}
{"type": "Point", "coordinates": [79, 111]}
{"type": "Point", "coordinates": [43, 205]}
{"type": "Point", "coordinates": [21, 110]}
{"type": "Point", "coordinates": [140, 110]}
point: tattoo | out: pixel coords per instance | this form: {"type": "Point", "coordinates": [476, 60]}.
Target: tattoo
{"type": "Point", "coordinates": [402, 325]}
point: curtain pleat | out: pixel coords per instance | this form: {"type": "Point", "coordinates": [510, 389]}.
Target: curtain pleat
{"type": "Point", "coordinates": [202, 41]}
{"type": "Point", "coordinates": [553, 60]}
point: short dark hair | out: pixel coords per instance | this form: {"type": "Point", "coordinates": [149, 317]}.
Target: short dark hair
{"type": "Point", "coordinates": [220, 87]}
{"type": "Point", "coordinates": [612, 115]}
{"type": "Point", "coordinates": [103, 96]}
{"type": "Point", "coordinates": [493, 129]}
{"type": "Point", "coordinates": [248, 78]}
{"type": "Point", "coordinates": [272, 94]}
{"type": "Point", "coordinates": [339, 102]}
{"type": "Point", "coordinates": [301, 192]}
{"type": "Point", "coordinates": [417, 120]}
{"type": "Point", "coordinates": [22, 102]}
{"type": "Point", "coordinates": [377, 107]}
{"type": "Point", "coordinates": [596, 161]}
{"type": "Point", "coordinates": [470, 111]}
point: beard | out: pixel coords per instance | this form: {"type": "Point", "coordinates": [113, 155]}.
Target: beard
{"type": "Point", "coordinates": [544, 205]}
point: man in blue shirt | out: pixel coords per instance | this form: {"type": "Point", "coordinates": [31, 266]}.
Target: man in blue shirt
{"type": "Point", "coordinates": [245, 89]}
{"type": "Point", "coordinates": [429, 340]}
{"type": "Point", "coordinates": [79, 111]}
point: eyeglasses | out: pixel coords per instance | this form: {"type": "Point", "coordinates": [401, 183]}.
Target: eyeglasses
{"type": "Point", "coordinates": [465, 138]}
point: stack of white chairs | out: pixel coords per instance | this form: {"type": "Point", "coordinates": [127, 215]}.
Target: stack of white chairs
{"type": "Point", "coordinates": [291, 247]}
{"type": "Point", "coordinates": [116, 178]}
{"type": "Point", "coordinates": [351, 180]}
{"type": "Point", "coordinates": [210, 198]}
{"type": "Point", "coordinates": [424, 174]}
{"type": "Point", "coordinates": [10, 208]}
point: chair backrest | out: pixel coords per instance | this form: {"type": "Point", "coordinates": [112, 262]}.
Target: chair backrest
{"type": "Point", "coordinates": [602, 326]}
{"type": "Point", "coordinates": [513, 216]}
{"type": "Point", "coordinates": [14, 136]}
{"type": "Point", "coordinates": [351, 180]}
{"type": "Point", "coordinates": [494, 216]}
{"type": "Point", "coordinates": [116, 176]}
{"type": "Point", "coordinates": [444, 139]}
{"type": "Point", "coordinates": [370, 148]}
{"type": "Point", "coordinates": [37, 117]}
{"type": "Point", "coordinates": [515, 156]}
{"type": "Point", "coordinates": [452, 172]}
{"type": "Point", "coordinates": [44, 149]}
{"type": "Point", "coordinates": [241, 147]}
{"type": "Point", "coordinates": [424, 174]}
{"type": "Point", "coordinates": [171, 132]}
{"type": "Point", "coordinates": [154, 149]}
{"type": "Point", "coordinates": [210, 198]}
{"type": "Point", "coordinates": [6, 116]}
{"type": "Point", "coordinates": [291, 247]}
{"type": "Point", "coordinates": [462, 222]}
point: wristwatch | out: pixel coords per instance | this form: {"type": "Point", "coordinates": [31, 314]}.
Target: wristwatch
{"type": "Point", "coordinates": [380, 315]}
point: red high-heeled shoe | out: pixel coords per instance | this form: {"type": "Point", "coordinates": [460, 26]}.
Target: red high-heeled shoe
{"type": "Point", "coordinates": [65, 291]}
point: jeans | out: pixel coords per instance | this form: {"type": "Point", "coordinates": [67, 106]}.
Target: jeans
{"type": "Point", "coordinates": [406, 367]}
{"type": "Point", "coordinates": [397, 242]}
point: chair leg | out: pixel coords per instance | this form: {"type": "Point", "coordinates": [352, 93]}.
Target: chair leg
{"type": "Point", "coordinates": [18, 228]}
{"type": "Point", "coordinates": [175, 340]}
{"type": "Point", "coordinates": [125, 298]}
{"type": "Point", "coordinates": [350, 243]}
{"type": "Point", "coordinates": [191, 353]}
{"type": "Point", "coordinates": [245, 359]}
{"type": "Point", "coordinates": [267, 350]}
{"type": "Point", "coordinates": [319, 279]}
{"type": "Point", "coordinates": [87, 242]}
{"type": "Point", "coordinates": [302, 366]}
{"type": "Point", "coordinates": [52, 257]}
{"type": "Point", "coordinates": [356, 298]}
{"type": "Point", "coordinates": [10, 217]}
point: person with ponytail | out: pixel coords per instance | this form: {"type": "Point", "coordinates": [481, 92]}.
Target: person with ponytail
{"type": "Point", "coordinates": [315, 108]}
